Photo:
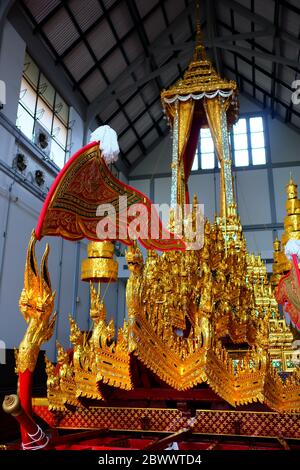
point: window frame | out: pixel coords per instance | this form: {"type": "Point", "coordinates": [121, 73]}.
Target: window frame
{"type": "Point", "coordinates": [54, 114]}
{"type": "Point", "coordinates": [246, 116]}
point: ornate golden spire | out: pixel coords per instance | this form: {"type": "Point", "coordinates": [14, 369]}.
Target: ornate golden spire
{"type": "Point", "coordinates": [200, 52]}
{"type": "Point", "coordinates": [201, 77]}
{"type": "Point", "coordinates": [291, 231]}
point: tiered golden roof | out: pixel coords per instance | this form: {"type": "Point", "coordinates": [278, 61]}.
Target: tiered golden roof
{"type": "Point", "coordinates": [201, 77]}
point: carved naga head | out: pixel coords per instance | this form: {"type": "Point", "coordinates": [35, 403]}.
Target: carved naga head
{"type": "Point", "coordinates": [37, 299]}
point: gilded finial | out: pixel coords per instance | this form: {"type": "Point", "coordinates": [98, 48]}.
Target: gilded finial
{"type": "Point", "coordinates": [291, 188]}
{"type": "Point", "coordinates": [277, 245]}
{"type": "Point", "coordinates": [198, 25]}
{"type": "Point", "coordinates": [199, 53]}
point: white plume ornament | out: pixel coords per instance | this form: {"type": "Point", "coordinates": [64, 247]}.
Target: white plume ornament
{"type": "Point", "coordinates": [108, 142]}
{"type": "Point", "coordinates": [292, 248]}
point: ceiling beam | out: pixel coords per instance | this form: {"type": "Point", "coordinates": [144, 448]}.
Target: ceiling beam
{"type": "Point", "coordinates": [232, 20]}
{"type": "Point", "coordinates": [261, 55]}
{"type": "Point", "coordinates": [93, 108]}
{"type": "Point", "coordinates": [247, 13]}
{"type": "Point", "coordinates": [94, 57]}
{"type": "Point", "coordinates": [212, 32]}
{"type": "Point", "coordinates": [189, 45]}
{"type": "Point", "coordinates": [116, 45]}
{"type": "Point", "coordinates": [221, 44]}
{"type": "Point", "coordinates": [266, 93]}
{"type": "Point", "coordinates": [256, 18]}
{"type": "Point", "coordinates": [115, 93]}
{"type": "Point", "coordinates": [276, 50]}
{"type": "Point", "coordinates": [39, 26]}
{"type": "Point", "coordinates": [136, 20]}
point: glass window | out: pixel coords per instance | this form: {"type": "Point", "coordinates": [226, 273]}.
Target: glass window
{"type": "Point", "coordinates": [39, 102]}
{"type": "Point", "coordinates": [259, 156]}
{"type": "Point", "coordinates": [240, 141]}
{"type": "Point", "coordinates": [58, 154]}
{"type": "Point", "coordinates": [31, 71]}
{"type": "Point", "coordinates": [44, 114]}
{"type": "Point", "coordinates": [207, 149]}
{"type": "Point", "coordinates": [241, 157]}
{"type": "Point", "coordinates": [256, 124]}
{"type": "Point", "coordinates": [257, 140]}
{"type": "Point", "coordinates": [25, 122]}
{"type": "Point", "coordinates": [61, 109]}
{"type": "Point", "coordinates": [240, 127]}
{"type": "Point", "coordinates": [247, 141]}
{"type": "Point", "coordinates": [207, 145]}
{"type": "Point", "coordinates": [207, 161]}
{"type": "Point", "coordinates": [59, 132]}
{"type": "Point", "coordinates": [28, 96]}
{"type": "Point", "coordinates": [196, 161]}
{"type": "Point", "coordinates": [47, 91]}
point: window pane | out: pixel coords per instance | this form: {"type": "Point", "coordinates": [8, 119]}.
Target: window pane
{"type": "Point", "coordinates": [46, 90]}
{"type": "Point", "coordinates": [257, 140]}
{"type": "Point", "coordinates": [25, 122]}
{"type": "Point", "coordinates": [240, 127]}
{"type": "Point", "coordinates": [59, 132]}
{"type": "Point", "coordinates": [240, 141]}
{"type": "Point", "coordinates": [44, 114]}
{"type": "Point", "coordinates": [207, 145]}
{"type": "Point", "coordinates": [57, 154]}
{"type": "Point", "coordinates": [256, 124]}
{"type": "Point", "coordinates": [31, 71]}
{"type": "Point", "coordinates": [61, 109]}
{"type": "Point", "coordinates": [259, 156]}
{"type": "Point", "coordinates": [241, 158]}
{"type": "Point", "coordinates": [205, 132]}
{"type": "Point", "coordinates": [195, 162]}
{"type": "Point", "coordinates": [207, 161]}
{"type": "Point", "coordinates": [27, 96]}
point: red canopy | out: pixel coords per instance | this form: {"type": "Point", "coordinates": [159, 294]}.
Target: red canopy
{"type": "Point", "coordinates": [83, 184]}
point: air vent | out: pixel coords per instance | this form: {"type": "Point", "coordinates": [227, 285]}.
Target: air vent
{"type": "Point", "coordinates": [42, 138]}
{"type": "Point", "coordinates": [39, 177]}
{"type": "Point", "coordinates": [20, 162]}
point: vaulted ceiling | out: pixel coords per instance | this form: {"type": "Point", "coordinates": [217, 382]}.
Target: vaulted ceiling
{"type": "Point", "coordinates": [119, 55]}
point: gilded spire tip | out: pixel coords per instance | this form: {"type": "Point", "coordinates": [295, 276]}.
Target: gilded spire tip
{"type": "Point", "coordinates": [199, 36]}
{"type": "Point", "coordinates": [291, 188]}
